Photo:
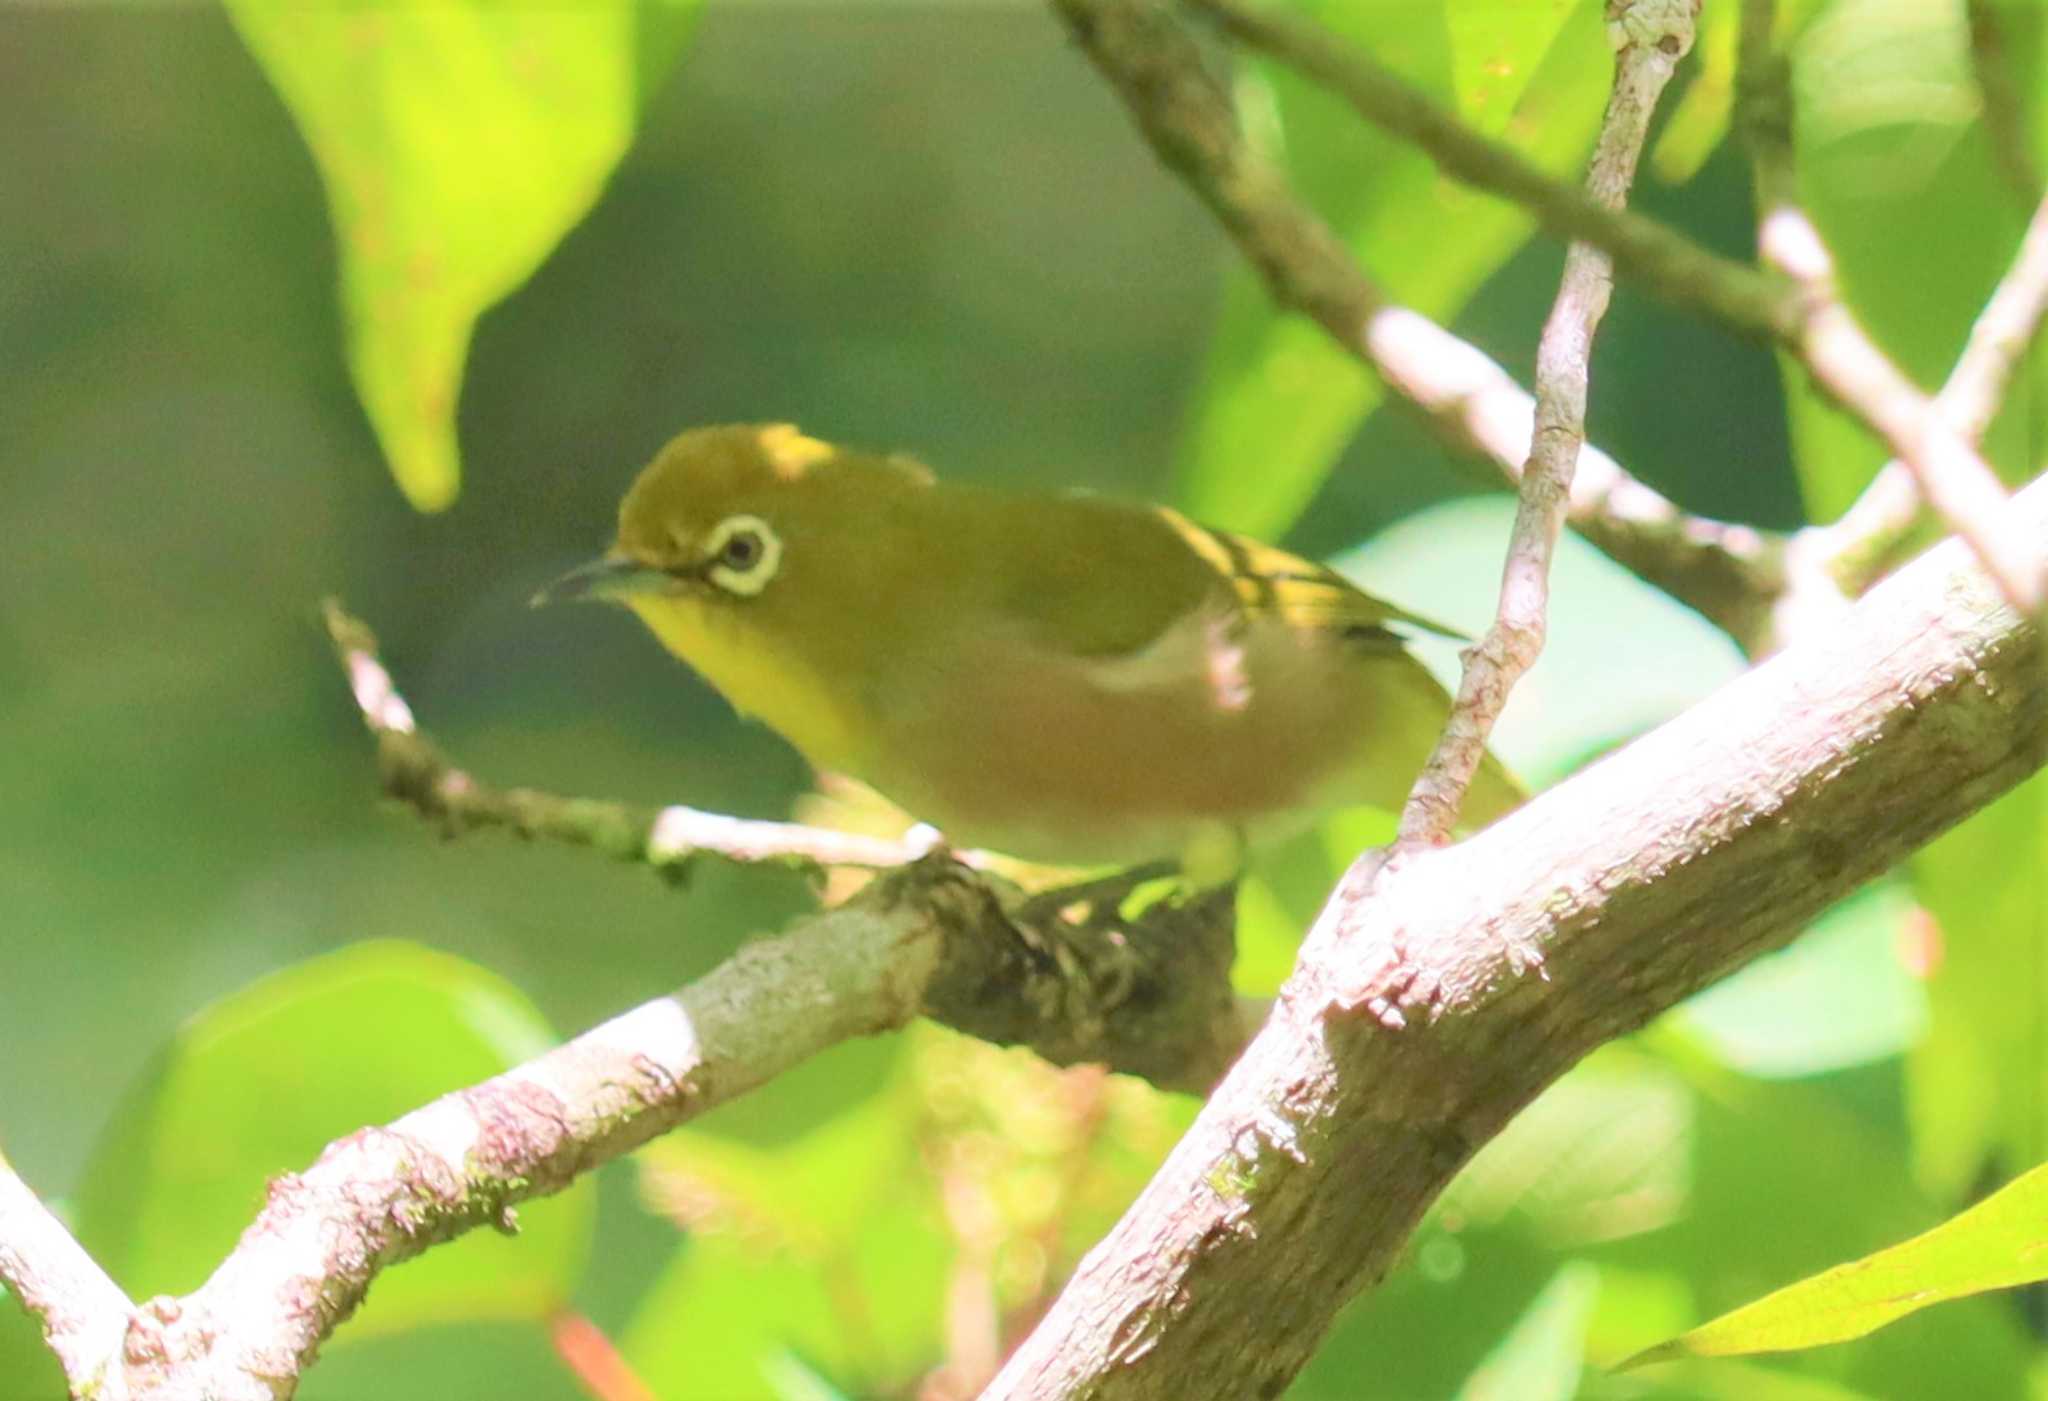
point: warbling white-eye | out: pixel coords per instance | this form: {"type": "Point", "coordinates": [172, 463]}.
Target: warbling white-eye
{"type": "Point", "coordinates": [1063, 678]}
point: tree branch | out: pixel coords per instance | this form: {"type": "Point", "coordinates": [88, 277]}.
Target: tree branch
{"type": "Point", "coordinates": [1662, 259]}
{"type": "Point", "coordinates": [1636, 882]}
{"type": "Point", "coordinates": [1729, 573]}
{"type": "Point", "coordinates": [1855, 548]}
{"type": "Point", "coordinates": [1803, 314]}
{"type": "Point", "coordinates": [83, 1313]}
{"type": "Point", "coordinates": [669, 838]}
{"type": "Point", "coordinates": [1931, 441]}
{"type": "Point", "coordinates": [1149, 995]}
{"type": "Point", "coordinates": [1650, 37]}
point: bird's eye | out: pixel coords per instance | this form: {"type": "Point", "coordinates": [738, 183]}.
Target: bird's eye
{"type": "Point", "coordinates": [741, 550]}
{"type": "Point", "coordinates": [743, 554]}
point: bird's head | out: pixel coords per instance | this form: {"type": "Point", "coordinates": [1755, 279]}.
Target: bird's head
{"type": "Point", "coordinates": [706, 519]}
{"type": "Point", "coordinates": [714, 513]}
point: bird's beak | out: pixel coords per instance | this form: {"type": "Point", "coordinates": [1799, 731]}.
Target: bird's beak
{"type": "Point", "coordinates": [609, 579]}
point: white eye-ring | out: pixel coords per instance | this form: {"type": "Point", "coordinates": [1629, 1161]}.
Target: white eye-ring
{"type": "Point", "coordinates": [742, 554]}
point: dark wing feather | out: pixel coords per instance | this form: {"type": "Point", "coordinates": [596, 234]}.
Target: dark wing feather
{"type": "Point", "coordinates": [1272, 582]}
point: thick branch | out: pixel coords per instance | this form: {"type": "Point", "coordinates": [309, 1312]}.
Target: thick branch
{"type": "Point", "coordinates": [1650, 37]}
{"type": "Point", "coordinates": [1727, 572]}
{"type": "Point", "coordinates": [1149, 995]}
{"type": "Point", "coordinates": [81, 1310]}
{"type": "Point", "coordinates": [1637, 882]}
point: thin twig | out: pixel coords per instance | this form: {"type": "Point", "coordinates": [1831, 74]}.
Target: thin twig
{"type": "Point", "coordinates": [1650, 37]}
{"type": "Point", "coordinates": [1855, 546]}
{"type": "Point", "coordinates": [1146, 993]}
{"type": "Point", "coordinates": [82, 1311]}
{"type": "Point", "coordinates": [1729, 573]}
{"type": "Point", "coordinates": [668, 838]}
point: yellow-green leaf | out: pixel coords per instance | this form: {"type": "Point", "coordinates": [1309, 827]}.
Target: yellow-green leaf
{"type": "Point", "coordinates": [458, 142]}
{"type": "Point", "coordinates": [256, 1084]}
{"type": "Point", "coordinates": [1280, 400]}
{"type": "Point", "coordinates": [2000, 1243]}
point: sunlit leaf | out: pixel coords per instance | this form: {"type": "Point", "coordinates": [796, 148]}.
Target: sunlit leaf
{"type": "Point", "coordinates": [1837, 996]}
{"type": "Point", "coordinates": [1976, 1084]}
{"type": "Point", "coordinates": [259, 1082]}
{"type": "Point", "coordinates": [1541, 1356]}
{"type": "Point", "coordinates": [823, 1254]}
{"type": "Point", "coordinates": [1496, 49]}
{"type": "Point", "coordinates": [1787, 1175]}
{"type": "Point", "coordinates": [714, 1324]}
{"type": "Point", "coordinates": [1997, 1244]}
{"type": "Point", "coordinates": [1431, 1323]}
{"type": "Point", "coordinates": [1603, 1154]}
{"type": "Point", "coordinates": [1724, 1379]}
{"type": "Point", "coordinates": [793, 1379]}
{"type": "Point", "coordinates": [1699, 117]}
{"type": "Point", "coordinates": [458, 142]}
{"type": "Point", "coordinates": [1699, 114]}
{"type": "Point", "coordinates": [1278, 400]}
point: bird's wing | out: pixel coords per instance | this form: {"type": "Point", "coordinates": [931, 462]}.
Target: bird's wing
{"type": "Point", "coordinates": [1178, 581]}
{"type": "Point", "coordinates": [1272, 583]}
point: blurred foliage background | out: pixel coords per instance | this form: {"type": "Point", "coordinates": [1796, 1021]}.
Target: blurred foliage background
{"type": "Point", "coordinates": [928, 228]}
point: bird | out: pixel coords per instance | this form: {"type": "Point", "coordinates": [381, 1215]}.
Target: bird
{"type": "Point", "coordinates": [1061, 677]}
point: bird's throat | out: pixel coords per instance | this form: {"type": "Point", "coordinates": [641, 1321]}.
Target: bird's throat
{"type": "Point", "coordinates": [757, 676]}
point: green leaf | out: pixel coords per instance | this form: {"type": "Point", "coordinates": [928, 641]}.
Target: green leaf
{"type": "Point", "coordinates": [793, 1379]}
{"type": "Point", "coordinates": [1541, 1355]}
{"type": "Point", "coordinates": [716, 1322]}
{"type": "Point", "coordinates": [1433, 1321]}
{"type": "Point", "coordinates": [29, 1368]}
{"type": "Point", "coordinates": [1496, 50]}
{"type": "Point", "coordinates": [1724, 1379]}
{"type": "Point", "coordinates": [1788, 1176]}
{"type": "Point", "coordinates": [1284, 887]}
{"type": "Point", "coordinates": [822, 1257]}
{"type": "Point", "coordinates": [1837, 996]}
{"type": "Point", "coordinates": [1279, 400]}
{"type": "Point", "coordinates": [258, 1083]}
{"type": "Point", "coordinates": [1699, 118]}
{"type": "Point", "coordinates": [1976, 1082]}
{"type": "Point", "coordinates": [1601, 1155]}
{"type": "Point", "coordinates": [458, 142]}
{"type": "Point", "coordinates": [2000, 1243]}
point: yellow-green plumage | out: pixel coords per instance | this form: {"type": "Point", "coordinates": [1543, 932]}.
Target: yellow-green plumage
{"type": "Point", "coordinates": [1061, 677]}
